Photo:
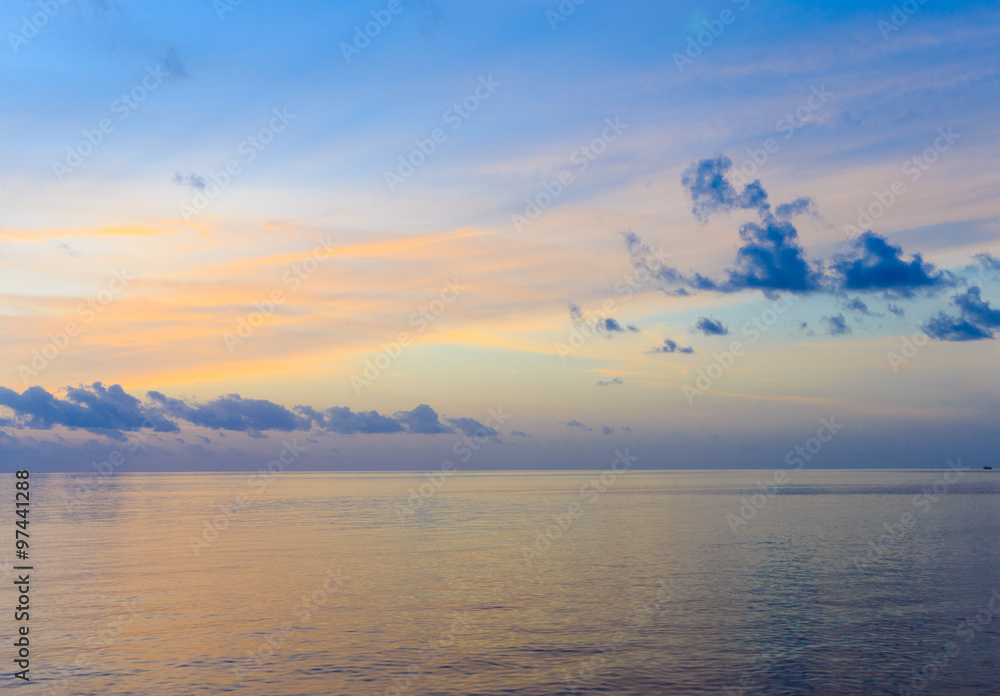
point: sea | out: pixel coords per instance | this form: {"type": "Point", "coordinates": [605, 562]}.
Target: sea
{"type": "Point", "coordinates": [735, 583]}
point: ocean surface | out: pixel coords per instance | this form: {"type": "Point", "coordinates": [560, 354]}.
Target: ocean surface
{"type": "Point", "coordinates": [828, 582]}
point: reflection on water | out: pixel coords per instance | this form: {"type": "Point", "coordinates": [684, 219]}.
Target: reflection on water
{"type": "Point", "coordinates": [516, 584]}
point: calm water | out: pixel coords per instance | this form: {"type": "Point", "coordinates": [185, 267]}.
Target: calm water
{"type": "Point", "coordinates": [644, 589]}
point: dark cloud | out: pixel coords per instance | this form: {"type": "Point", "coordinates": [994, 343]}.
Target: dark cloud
{"type": "Point", "coordinates": [611, 382]}
{"type": "Point", "coordinates": [110, 410]}
{"type": "Point", "coordinates": [472, 427]}
{"type": "Point", "coordinates": [711, 191]}
{"type": "Point", "coordinates": [603, 325]}
{"type": "Point", "coordinates": [988, 261]}
{"type": "Point", "coordinates": [876, 265]}
{"type": "Point", "coordinates": [837, 325]}
{"type": "Point", "coordinates": [895, 309]}
{"type": "Point", "coordinates": [771, 258]}
{"type": "Point", "coordinates": [786, 211]}
{"type": "Point", "coordinates": [946, 327]}
{"type": "Point", "coordinates": [518, 433]}
{"type": "Point", "coordinates": [858, 305]}
{"type": "Point", "coordinates": [973, 308]}
{"type": "Point", "coordinates": [423, 420]}
{"type": "Point", "coordinates": [803, 326]}
{"type": "Point", "coordinates": [100, 409]}
{"type": "Point", "coordinates": [575, 424]}
{"type": "Point", "coordinates": [612, 325]}
{"type": "Point", "coordinates": [607, 430]}
{"type": "Point", "coordinates": [340, 419]}
{"type": "Point", "coordinates": [976, 321]}
{"type": "Point", "coordinates": [711, 327]}
{"type": "Point", "coordinates": [670, 346]}
{"type": "Point", "coordinates": [231, 412]}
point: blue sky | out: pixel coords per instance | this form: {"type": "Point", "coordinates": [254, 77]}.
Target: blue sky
{"type": "Point", "coordinates": [831, 105]}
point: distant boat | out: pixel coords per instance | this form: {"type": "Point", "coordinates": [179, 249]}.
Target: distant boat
{"type": "Point", "coordinates": [987, 467]}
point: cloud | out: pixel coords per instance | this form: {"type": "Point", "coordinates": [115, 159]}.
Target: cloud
{"type": "Point", "coordinates": [770, 257]}
{"type": "Point", "coordinates": [837, 325]}
{"type": "Point", "coordinates": [110, 410]}
{"type": "Point", "coordinates": [615, 381]}
{"type": "Point", "coordinates": [670, 346]}
{"type": "Point", "coordinates": [577, 424]}
{"type": "Point", "coordinates": [518, 433]}
{"type": "Point", "coordinates": [423, 420]}
{"type": "Point", "coordinates": [786, 211]}
{"type": "Point", "coordinates": [604, 325]}
{"type": "Point", "coordinates": [876, 265]}
{"type": "Point", "coordinates": [858, 305]}
{"type": "Point", "coordinates": [711, 327]}
{"type": "Point", "coordinates": [472, 427]}
{"type": "Point", "coordinates": [895, 309]}
{"type": "Point", "coordinates": [340, 419]}
{"type": "Point", "coordinates": [607, 430]}
{"type": "Point", "coordinates": [100, 409]}
{"type": "Point", "coordinates": [612, 325]}
{"type": "Point", "coordinates": [973, 308]}
{"type": "Point", "coordinates": [195, 181]}
{"type": "Point", "coordinates": [976, 321]}
{"type": "Point", "coordinates": [988, 261]}
{"type": "Point", "coordinates": [711, 191]}
{"type": "Point", "coordinates": [231, 412]}
{"type": "Point", "coordinates": [945, 327]}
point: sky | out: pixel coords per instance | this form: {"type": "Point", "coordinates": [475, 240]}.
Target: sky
{"type": "Point", "coordinates": [389, 235]}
